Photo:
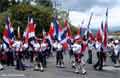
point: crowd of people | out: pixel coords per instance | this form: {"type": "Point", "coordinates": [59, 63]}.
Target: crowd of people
{"type": "Point", "coordinates": [38, 51]}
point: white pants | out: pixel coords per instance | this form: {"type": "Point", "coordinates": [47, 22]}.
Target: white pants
{"type": "Point", "coordinates": [80, 66]}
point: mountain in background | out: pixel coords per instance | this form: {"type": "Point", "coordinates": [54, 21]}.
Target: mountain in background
{"type": "Point", "coordinates": [114, 29]}
{"type": "Point", "coordinates": [110, 29]}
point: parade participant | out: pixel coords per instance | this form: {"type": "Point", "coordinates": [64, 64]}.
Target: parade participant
{"type": "Point", "coordinates": [49, 53]}
{"type": "Point", "coordinates": [38, 58]}
{"type": "Point", "coordinates": [25, 50]}
{"type": "Point", "coordinates": [4, 56]}
{"type": "Point", "coordinates": [44, 47]}
{"type": "Point", "coordinates": [111, 52]}
{"type": "Point", "coordinates": [71, 55]}
{"type": "Point", "coordinates": [18, 48]}
{"type": "Point", "coordinates": [116, 52]}
{"type": "Point", "coordinates": [99, 63]}
{"type": "Point", "coordinates": [90, 47]}
{"type": "Point", "coordinates": [11, 56]}
{"type": "Point", "coordinates": [8, 56]}
{"type": "Point", "coordinates": [1, 67]}
{"type": "Point", "coordinates": [59, 55]}
{"type": "Point", "coordinates": [54, 46]}
{"type": "Point", "coordinates": [31, 50]}
{"type": "Point", "coordinates": [79, 63]}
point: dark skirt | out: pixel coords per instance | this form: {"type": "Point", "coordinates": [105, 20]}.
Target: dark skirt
{"type": "Point", "coordinates": [78, 57]}
{"type": "Point", "coordinates": [39, 57]}
{"type": "Point", "coordinates": [59, 55]}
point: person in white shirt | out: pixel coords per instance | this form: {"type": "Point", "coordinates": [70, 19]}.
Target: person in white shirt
{"type": "Point", "coordinates": [38, 58]}
{"type": "Point", "coordinates": [79, 62]}
{"type": "Point", "coordinates": [70, 51]}
{"type": "Point", "coordinates": [99, 64]}
{"type": "Point", "coordinates": [116, 52]}
{"type": "Point", "coordinates": [44, 47]}
{"type": "Point", "coordinates": [19, 56]}
{"type": "Point", "coordinates": [59, 55]}
{"type": "Point", "coordinates": [25, 50]}
{"type": "Point", "coordinates": [90, 47]}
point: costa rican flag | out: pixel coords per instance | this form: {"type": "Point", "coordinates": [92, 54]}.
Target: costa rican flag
{"type": "Point", "coordinates": [8, 34]}
{"type": "Point", "coordinates": [51, 30]}
{"type": "Point", "coordinates": [69, 33]}
{"type": "Point", "coordinates": [106, 29]}
{"type": "Point", "coordinates": [99, 34]}
{"type": "Point", "coordinates": [56, 27]}
{"type": "Point", "coordinates": [31, 30]}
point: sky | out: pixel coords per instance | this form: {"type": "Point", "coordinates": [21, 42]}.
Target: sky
{"type": "Point", "coordinates": [80, 10]}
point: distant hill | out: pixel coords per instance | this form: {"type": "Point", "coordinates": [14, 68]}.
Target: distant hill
{"type": "Point", "coordinates": [110, 29]}
{"type": "Point", "coordinates": [94, 31]}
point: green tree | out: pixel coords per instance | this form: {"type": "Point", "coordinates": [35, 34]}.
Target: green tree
{"type": "Point", "coordinates": [5, 4]}
{"type": "Point", "coordinates": [41, 15]}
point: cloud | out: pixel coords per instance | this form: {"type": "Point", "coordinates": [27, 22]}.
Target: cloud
{"type": "Point", "coordinates": [83, 5]}
{"type": "Point", "coordinates": [99, 15]}
{"type": "Point", "coordinates": [81, 9]}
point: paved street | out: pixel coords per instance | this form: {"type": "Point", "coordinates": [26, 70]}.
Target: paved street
{"type": "Point", "coordinates": [52, 72]}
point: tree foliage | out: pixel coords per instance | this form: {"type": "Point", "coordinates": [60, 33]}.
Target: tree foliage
{"type": "Point", "coordinates": [19, 12]}
{"type": "Point", "coordinates": [5, 4]}
{"type": "Point", "coordinates": [19, 16]}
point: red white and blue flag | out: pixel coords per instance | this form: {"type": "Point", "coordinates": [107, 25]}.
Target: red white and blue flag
{"type": "Point", "coordinates": [69, 33]}
{"type": "Point", "coordinates": [99, 34]}
{"type": "Point", "coordinates": [8, 33]}
{"type": "Point", "coordinates": [106, 29]}
{"type": "Point", "coordinates": [56, 28]}
{"type": "Point", "coordinates": [30, 30]}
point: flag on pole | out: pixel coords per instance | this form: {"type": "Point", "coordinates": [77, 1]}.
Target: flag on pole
{"type": "Point", "coordinates": [8, 33]}
{"type": "Point", "coordinates": [69, 33]}
{"type": "Point", "coordinates": [9, 28]}
{"type": "Point", "coordinates": [51, 30]}
{"type": "Point", "coordinates": [99, 34]}
{"type": "Point", "coordinates": [56, 27]}
{"type": "Point", "coordinates": [80, 32]}
{"type": "Point", "coordinates": [86, 35]}
{"type": "Point", "coordinates": [64, 37]}
{"type": "Point", "coordinates": [31, 30]}
{"type": "Point", "coordinates": [91, 36]}
{"type": "Point", "coordinates": [6, 38]}
{"type": "Point", "coordinates": [106, 29]}
{"type": "Point", "coordinates": [25, 34]}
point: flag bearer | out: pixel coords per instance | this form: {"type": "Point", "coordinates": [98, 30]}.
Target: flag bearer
{"type": "Point", "coordinates": [116, 52]}
{"type": "Point", "coordinates": [79, 62]}
{"type": "Point", "coordinates": [44, 47]}
{"type": "Point", "coordinates": [59, 55]}
{"type": "Point", "coordinates": [38, 58]}
{"type": "Point", "coordinates": [100, 54]}
{"type": "Point", "coordinates": [71, 55]}
{"type": "Point", "coordinates": [90, 47]}
{"type": "Point", "coordinates": [19, 56]}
